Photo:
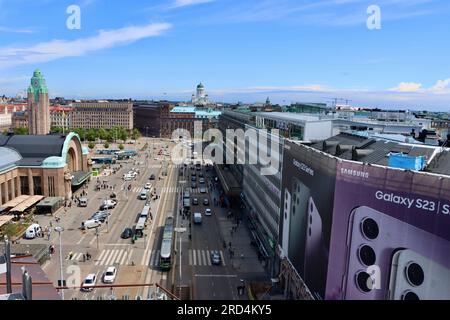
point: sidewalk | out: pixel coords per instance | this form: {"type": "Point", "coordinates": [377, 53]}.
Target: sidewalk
{"type": "Point", "coordinates": [245, 258]}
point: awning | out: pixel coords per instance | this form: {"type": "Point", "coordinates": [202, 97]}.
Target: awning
{"type": "Point", "coordinates": [5, 219]}
{"type": "Point", "coordinates": [27, 204]}
{"type": "Point", "coordinates": [15, 202]}
{"type": "Point", "coordinates": [79, 177]}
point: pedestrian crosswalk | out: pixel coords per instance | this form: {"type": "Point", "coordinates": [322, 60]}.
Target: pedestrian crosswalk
{"type": "Point", "coordinates": [165, 190]}
{"type": "Point", "coordinates": [109, 257]}
{"type": "Point", "coordinates": [203, 257]}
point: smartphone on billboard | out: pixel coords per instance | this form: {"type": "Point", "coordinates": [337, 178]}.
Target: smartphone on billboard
{"type": "Point", "coordinates": [298, 223]}
{"type": "Point", "coordinates": [372, 240]}
{"type": "Point", "coordinates": [286, 220]}
{"type": "Point", "coordinates": [314, 264]}
{"type": "Point", "coordinates": [415, 277]}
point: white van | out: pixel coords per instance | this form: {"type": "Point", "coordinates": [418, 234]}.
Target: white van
{"type": "Point", "coordinates": [89, 224]}
{"type": "Point", "coordinates": [143, 195]}
{"type": "Point", "coordinates": [197, 218]}
{"type": "Point", "coordinates": [32, 231]}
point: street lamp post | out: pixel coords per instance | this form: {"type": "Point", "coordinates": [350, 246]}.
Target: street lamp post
{"type": "Point", "coordinates": [60, 230]}
{"type": "Point", "coordinates": [96, 234]}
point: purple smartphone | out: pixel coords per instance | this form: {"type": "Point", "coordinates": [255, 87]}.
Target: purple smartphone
{"type": "Point", "coordinates": [372, 240]}
{"type": "Point", "coordinates": [313, 251]}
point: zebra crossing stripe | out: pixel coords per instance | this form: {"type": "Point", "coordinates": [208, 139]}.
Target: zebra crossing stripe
{"type": "Point", "coordinates": [118, 257]}
{"type": "Point", "coordinates": [108, 257]}
{"type": "Point", "coordinates": [129, 256]}
{"type": "Point", "coordinates": [124, 258]}
{"type": "Point", "coordinates": [199, 256]}
{"type": "Point", "coordinates": [190, 257]}
{"type": "Point", "coordinates": [207, 257]}
{"type": "Point", "coordinates": [113, 258]}
{"type": "Point", "coordinates": [193, 255]}
{"type": "Point", "coordinates": [99, 259]}
{"type": "Point", "coordinates": [223, 259]}
{"type": "Point", "coordinates": [204, 258]}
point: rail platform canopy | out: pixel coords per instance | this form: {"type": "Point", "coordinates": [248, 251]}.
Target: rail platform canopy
{"type": "Point", "coordinates": [31, 201]}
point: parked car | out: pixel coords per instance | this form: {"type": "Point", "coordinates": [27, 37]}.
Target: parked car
{"type": "Point", "coordinates": [200, 174]}
{"type": "Point", "coordinates": [100, 215]}
{"type": "Point", "coordinates": [83, 202]}
{"type": "Point", "coordinates": [194, 185]}
{"type": "Point", "coordinates": [208, 212]}
{"type": "Point", "coordinates": [148, 186]}
{"type": "Point", "coordinates": [89, 224]}
{"type": "Point", "coordinates": [152, 177]}
{"type": "Point", "coordinates": [203, 190]}
{"type": "Point", "coordinates": [206, 202]}
{"type": "Point", "coordinates": [89, 282]}
{"type": "Point", "coordinates": [194, 178]}
{"type": "Point", "coordinates": [195, 201]}
{"type": "Point", "coordinates": [202, 180]}
{"type": "Point", "coordinates": [215, 258]}
{"type": "Point", "coordinates": [33, 231]}
{"type": "Point", "coordinates": [110, 275]}
{"type": "Point", "coordinates": [108, 204]}
{"type": "Point", "coordinates": [127, 233]}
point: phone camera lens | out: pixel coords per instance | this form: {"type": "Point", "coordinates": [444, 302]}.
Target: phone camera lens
{"type": "Point", "coordinates": [415, 274]}
{"type": "Point", "coordinates": [364, 282]}
{"type": "Point", "coordinates": [409, 295]}
{"type": "Point", "coordinates": [311, 207]}
{"type": "Point", "coordinates": [370, 228]}
{"type": "Point", "coordinates": [367, 255]}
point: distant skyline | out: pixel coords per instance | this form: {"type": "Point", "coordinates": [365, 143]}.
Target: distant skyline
{"type": "Point", "coordinates": [289, 50]}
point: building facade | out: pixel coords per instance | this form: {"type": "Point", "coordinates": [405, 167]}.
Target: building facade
{"type": "Point", "coordinates": [61, 116]}
{"type": "Point", "coordinates": [147, 118]}
{"type": "Point", "coordinates": [102, 114]}
{"type": "Point", "coordinates": [38, 105]}
{"type": "Point", "coordinates": [50, 165]}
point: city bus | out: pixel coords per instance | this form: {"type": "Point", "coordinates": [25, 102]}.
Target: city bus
{"type": "Point", "coordinates": [103, 160]}
{"type": "Point", "coordinates": [140, 226]}
{"type": "Point", "coordinates": [107, 151]}
{"type": "Point", "coordinates": [165, 261]}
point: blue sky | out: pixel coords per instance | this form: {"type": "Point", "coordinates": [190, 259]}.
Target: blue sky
{"type": "Point", "coordinates": [290, 50]}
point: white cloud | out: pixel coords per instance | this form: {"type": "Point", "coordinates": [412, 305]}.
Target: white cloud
{"type": "Point", "coordinates": [185, 3]}
{"type": "Point", "coordinates": [58, 49]}
{"type": "Point", "coordinates": [441, 86]}
{"type": "Point", "coordinates": [407, 87]}
{"type": "Point", "coordinates": [12, 30]}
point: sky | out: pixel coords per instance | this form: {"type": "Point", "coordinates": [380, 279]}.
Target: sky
{"type": "Point", "coordinates": [242, 50]}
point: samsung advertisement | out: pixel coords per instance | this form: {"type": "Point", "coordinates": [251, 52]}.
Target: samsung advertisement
{"type": "Point", "coordinates": [308, 187]}
{"type": "Point", "coordinates": [355, 231]}
{"type": "Point", "coordinates": [390, 235]}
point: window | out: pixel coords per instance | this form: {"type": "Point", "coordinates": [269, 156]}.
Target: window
{"type": "Point", "coordinates": [37, 185]}
{"type": "Point", "coordinates": [24, 187]}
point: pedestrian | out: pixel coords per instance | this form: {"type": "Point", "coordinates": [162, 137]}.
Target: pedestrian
{"type": "Point", "coordinates": [48, 235]}
{"type": "Point", "coordinates": [51, 224]}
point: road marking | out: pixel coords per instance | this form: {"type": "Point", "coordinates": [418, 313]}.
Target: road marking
{"type": "Point", "coordinates": [93, 239]}
{"type": "Point", "coordinates": [107, 257]}
{"type": "Point", "coordinates": [190, 257]}
{"type": "Point", "coordinates": [124, 257]}
{"type": "Point", "coordinates": [81, 239]}
{"type": "Point", "coordinates": [113, 258]}
{"type": "Point", "coordinates": [99, 258]}
{"type": "Point", "coordinates": [223, 259]}
{"type": "Point", "coordinates": [204, 258]}
{"type": "Point", "coordinates": [208, 255]}
{"type": "Point", "coordinates": [129, 256]}
{"type": "Point", "coordinates": [144, 258]}
{"type": "Point", "coordinates": [118, 257]}
{"type": "Point", "coordinates": [199, 256]}
{"type": "Point", "coordinates": [194, 256]}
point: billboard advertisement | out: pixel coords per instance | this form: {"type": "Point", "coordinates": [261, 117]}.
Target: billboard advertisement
{"type": "Point", "coordinates": [390, 237]}
{"type": "Point", "coordinates": [307, 207]}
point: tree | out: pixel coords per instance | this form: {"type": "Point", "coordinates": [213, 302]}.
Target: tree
{"type": "Point", "coordinates": [5, 132]}
{"type": "Point", "coordinates": [106, 145]}
{"type": "Point", "coordinates": [55, 129]}
{"type": "Point", "coordinates": [121, 146]}
{"type": "Point", "coordinates": [91, 145]}
{"type": "Point", "coordinates": [103, 134]}
{"type": "Point", "coordinates": [135, 134]}
{"type": "Point", "coordinates": [21, 131]}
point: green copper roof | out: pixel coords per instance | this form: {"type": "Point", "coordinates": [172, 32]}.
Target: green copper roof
{"type": "Point", "coordinates": [200, 85]}
{"type": "Point", "coordinates": [38, 85]}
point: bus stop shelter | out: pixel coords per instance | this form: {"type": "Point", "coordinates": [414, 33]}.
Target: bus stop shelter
{"type": "Point", "coordinates": [25, 205]}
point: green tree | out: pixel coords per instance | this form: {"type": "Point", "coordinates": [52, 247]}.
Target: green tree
{"type": "Point", "coordinates": [121, 146]}
{"type": "Point", "coordinates": [91, 145]}
{"type": "Point", "coordinates": [135, 134]}
{"type": "Point", "coordinates": [103, 134]}
{"type": "Point", "coordinates": [21, 131]}
{"type": "Point", "coordinates": [92, 135]}
{"type": "Point", "coordinates": [106, 145]}
{"type": "Point", "coordinates": [55, 129]}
